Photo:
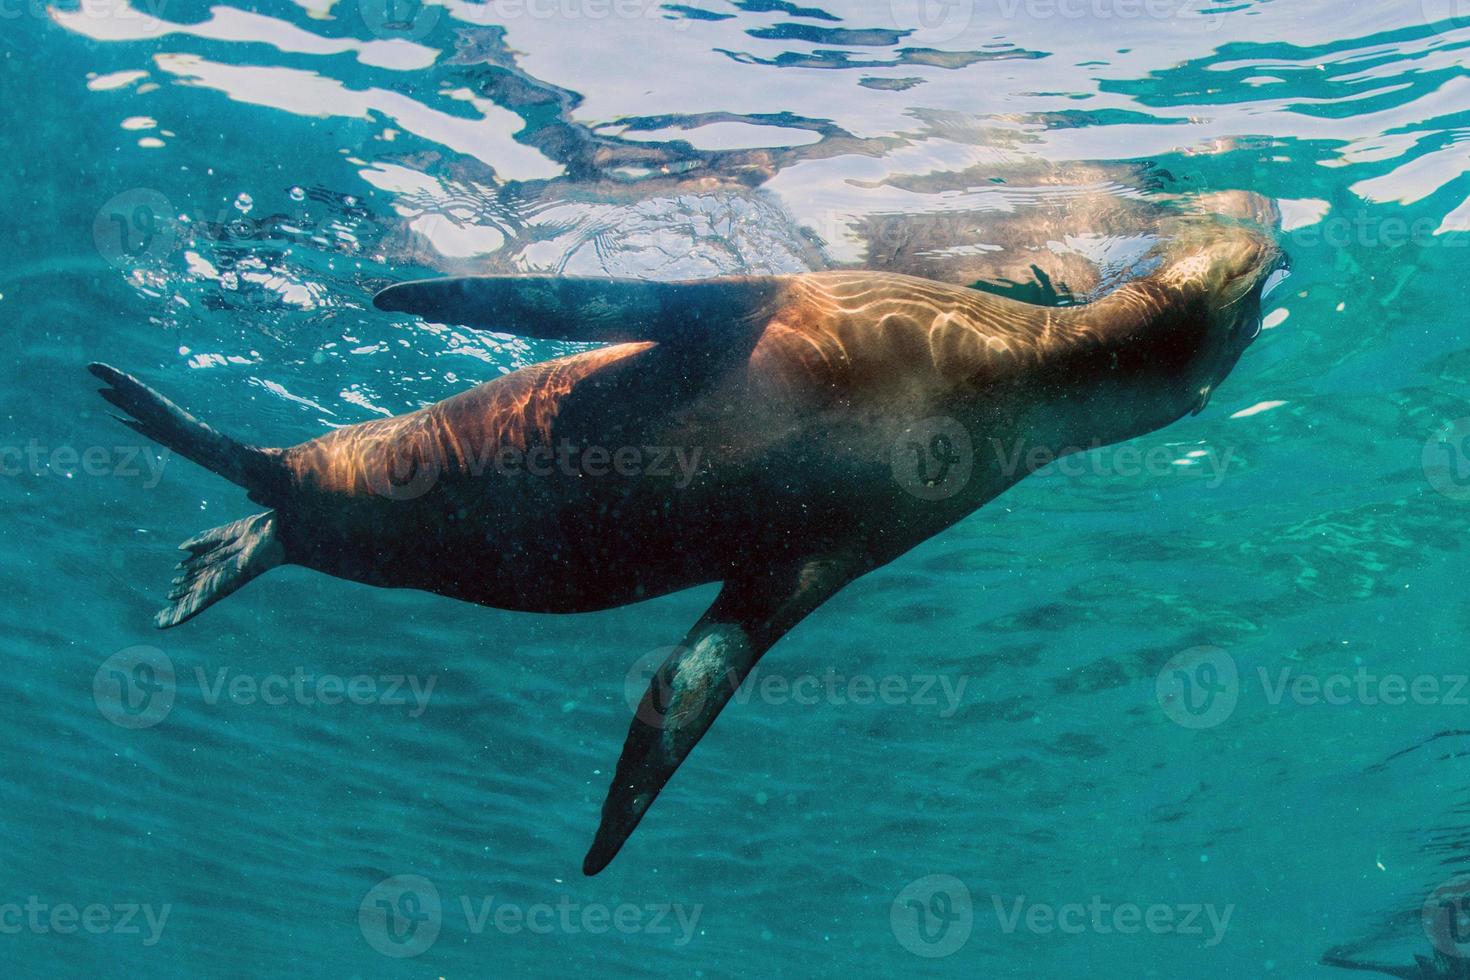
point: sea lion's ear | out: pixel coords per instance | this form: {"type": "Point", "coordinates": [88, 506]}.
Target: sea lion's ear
{"type": "Point", "coordinates": [599, 310]}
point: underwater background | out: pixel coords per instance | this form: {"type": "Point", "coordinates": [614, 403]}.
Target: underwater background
{"type": "Point", "coordinates": [1197, 710]}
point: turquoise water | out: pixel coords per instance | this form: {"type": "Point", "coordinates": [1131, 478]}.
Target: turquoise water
{"type": "Point", "coordinates": [209, 197]}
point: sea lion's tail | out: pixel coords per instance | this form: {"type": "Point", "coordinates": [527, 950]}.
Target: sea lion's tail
{"type": "Point", "coordinates": [224, 558]}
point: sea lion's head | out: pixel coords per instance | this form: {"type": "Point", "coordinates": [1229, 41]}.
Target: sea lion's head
{"type": "Point", "coordinates": [1240, 261]}
{"type": "Point", "coordinates": [1205, 297]}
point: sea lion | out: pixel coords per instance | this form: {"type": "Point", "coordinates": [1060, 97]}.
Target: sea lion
{"type": "Point", "coordinates": [1437, 966]}
{"type": "Point", "coordinates": [809, 402]}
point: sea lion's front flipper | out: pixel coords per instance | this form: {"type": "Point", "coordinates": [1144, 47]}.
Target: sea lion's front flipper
{"type": "Point", "coordinates": [602, 310]}
{"type": "Point", "coordinates": [688, 691]}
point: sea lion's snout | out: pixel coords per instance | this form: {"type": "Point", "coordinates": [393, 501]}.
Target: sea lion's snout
{"type": "Point", "coordinates": [1214, 271]}
{"type": "Point", "coordinates": [1237, 261]}
{"type": "Point", "coordinates": [1242, 261]}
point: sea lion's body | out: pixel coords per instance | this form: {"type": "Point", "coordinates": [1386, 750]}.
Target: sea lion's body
{"type": "Point", "coordinates": [750, 453]}
{"type": "Point", "coordinates": [798, 398]}
{"type": "Point", "coordinates": [773, 449]}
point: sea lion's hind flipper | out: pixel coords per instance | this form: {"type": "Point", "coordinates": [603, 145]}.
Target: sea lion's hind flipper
{"type": "Point", "coordinates": [219, 561]}
{"type": "Point", "coordinates": [593, 310]}
{"type": "Point", "coordinates": [223, 558]}
{"type": "Point", "coordinates": [699, 678]}
{"type": "Point", "coordinates": [157, 418]}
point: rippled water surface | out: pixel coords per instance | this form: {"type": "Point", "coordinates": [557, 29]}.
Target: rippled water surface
{"type": "Point", "coordinates": [209, 196]}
